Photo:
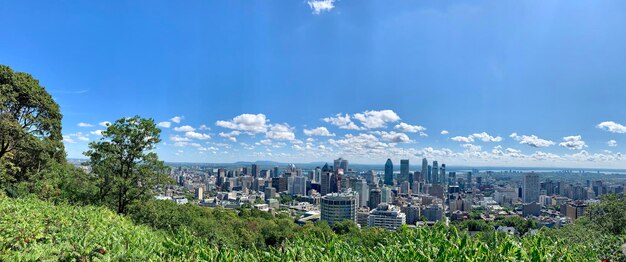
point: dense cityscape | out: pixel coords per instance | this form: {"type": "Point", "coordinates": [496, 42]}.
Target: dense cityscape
{"type": "Point", "coordinates": [390, 198]}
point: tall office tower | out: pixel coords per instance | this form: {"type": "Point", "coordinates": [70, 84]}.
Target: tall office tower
{"type": "Point", "coordinates": [199, 193]}
{"type": "Point", "coordinates": [270, 192]}
{"type": "Point", "coordinates": [530, 188]}
{"type": "Point", "coordinates": [244, 171]}
{"type": "Point", "coordinates": [387, 216]}
{"type": "Point", "coordinates": [275, 174]}
{"type": "Point", "coordinates": [364, 192]}
{"type": "Point", "coordinates": [452, 178]}
{"type": "Point", "coordinates": [389, 173]}
{"type": "Point", "coordinates": [298, 186]}
{"type": "Point", "coordinates": [318, 174]}
{"type": "Point", "coordinates": [339, 207]}
{"type": "Point", "coordinates": [341, 163]}
{"type": "Point", "coordinates": [221, 176]}
{"type": "Point", "coordinates": [430, 174]}
{"type": "Point", "coordinates": [468, 184]}
{"type": "Point", "coordinates": [435, 172]}
{"type": "Point", "coordinates": [386, 196]}
{"type": "Point", "coordinates": [325, 187]}
{"type": "Point", "coordinates": [442, 174]}
{"type": "Point", "coordinates": [425, 171]}
{"type": "Point", "coordinates": [255, 170]}
{"type": "Point", "coordinates": [404, 173]}
{"type": "Point", "coordinates": [375, 198]}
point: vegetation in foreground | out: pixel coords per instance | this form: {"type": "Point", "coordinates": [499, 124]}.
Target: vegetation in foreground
{"type": "Point", "coordinates": [34, 230]}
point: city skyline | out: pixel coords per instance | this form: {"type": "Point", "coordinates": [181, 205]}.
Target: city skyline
{"type": "Point", "coordinates": [314, 81]}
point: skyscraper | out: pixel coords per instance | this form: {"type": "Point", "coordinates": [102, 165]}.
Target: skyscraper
{"type": "Point", "coordinates": [375, 198]}
{"type": "Point", "coordinates": [404, 172]}
{"type": "Point", "coordinates": [255, 170]}
{"type": "Point", "coordinates": [442, 174]}
{"type": "Point", "coordinates": [341, 163]}
{"type": "Point", "coordinates": [425, 170]}
{"type": "Point", "coordinates": [389, 173]}
{"type": "Point", "coordinates": [435, 172]}
{"type": "Point", "coordinates": [530, 188]}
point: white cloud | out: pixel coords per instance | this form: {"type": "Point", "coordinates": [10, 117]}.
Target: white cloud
{"type": "Point", "coordinates": [320, 131]}
{"type": "Point", "coordinates": [104, 123]}
{"type": "Point", "coordinates": [196, 135]}
{"type": "Point", "coordinates": [463, 139]}
{"type": "Point", "coordinates": [472, 147]}
{"type": "Point", "coordinates": [376, 119]}
{"type": "Point", "coordinates": [573, 143]}
{"type": "Point", "coordinates": [444, 132]}
{"type": "Point", "coordinates": [539, 155]}
{"type": "Point", "coordinates": [404, 127]}
{"type": "Point", "coordinates": [204, 127]}
{"type": "Point", "coordinates": [96, 132]}
{"type": "Point", "coordinates": [164, 124]}
{"type": "Point", "coordinates": [280, 132]}
{"type": "Point", "coordinates": [486, 137]}
{"type": "Point", "coordinates": [612, 127]}
{"type": "Point", "coordinates": [612, 143]}
{"type": "Point", "coordinates": [532, 140]}
{"type": "Point", "coordinates": [232, 136]}
{"type": "Point", "coordinates": [179, 139]}
{"type": "Point", "coordinates": [394, 137]}
{"type": "Point", "coordinates": [248, 123]}
{"type": "Point", "coordinates": [81, 124]}
{"type": "Point", "coordinates": [176, 119]}
{"type": "Point", "coordinates": [184, 129]}
{"type": "Point", "coordinates": [343, 122]}
{"type": "Point", "coordinates": [319, 6]}
{"type": "Point", "coordinates": [72, 138]}
{"type": "Point", "coordinates": [422, 134]}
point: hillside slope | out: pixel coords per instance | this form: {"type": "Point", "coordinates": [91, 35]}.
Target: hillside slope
{"type": "Point", "coordinates": [34, 230]}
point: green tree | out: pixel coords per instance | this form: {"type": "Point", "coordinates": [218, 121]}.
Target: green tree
{"type": "Point", "coordinates": [609, 214]}
{"type": "Point", "coordinates": [125, 169]}
{"type": "Point", "coordinates": [30, 126]}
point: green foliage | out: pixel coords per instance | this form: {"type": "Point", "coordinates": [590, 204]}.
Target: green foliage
{"type": "Point", "coordinates": [33, 230]}
{"type": "Point", "coordinates": [609, 215]}
{"type": "Point", "coordinates": [125, 170]}
{"type": "Point", "coordinates": [30, 128]}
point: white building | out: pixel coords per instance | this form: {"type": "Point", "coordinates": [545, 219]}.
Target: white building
{"type": "Point", "coordinates": [530, 188]}
{"type": "Point", "coordinates": [387, 216]}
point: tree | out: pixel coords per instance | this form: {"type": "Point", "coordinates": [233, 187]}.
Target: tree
{"type": "Point", "coordinates": [609, 214]}
{"type": "Point", "coordinates": [30, 126]}
{"type": "Point", "coordinates": [125, 169]}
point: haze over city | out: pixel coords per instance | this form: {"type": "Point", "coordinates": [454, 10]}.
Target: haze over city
{"type": "Point", "coordinates": [298, 82]}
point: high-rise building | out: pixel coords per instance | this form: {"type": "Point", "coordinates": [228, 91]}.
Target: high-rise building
{"type": "Point", "coordinates": [298, 186]}
{"type": "Point", "coordinates": [425, 170]}
{"type": "Point", "coordinates": [389, 173]}
{"type": "Point", "coordinates": [433, 212]}
{"type": "Point", "coordinates": [386, 196]}
{"type": "Point", "coordinates": [325, 181]}
{"type": "Point", "coordinates": [387, 216]}
{"type": "Point", "coordinates": [468, 183]}
{"type": "Point", "coordinates": [363, 189]}
{"type": "Point", "coordinates": [275, 174]}
{"type": "Point", "coordinates": [255, 170]}
{"type": "Point", "coordinates": [270, 192]}
{"type": "Point", "coordinates": [435, 172]}
{"type": "Point", "coordinates": [530, 188]}
{"type": "Point", "coordinates": [338, 207]}
{"type": "Point", "coordinates": [375, 198]}
{"type": "Point", "coordinates": [199, 193]}
{"type": "Point", "coordinates": [442, 174]}
{"type": "Point", "coordinates": [404, 172]}
{"type": "Point", "coordinates": [341, 164]}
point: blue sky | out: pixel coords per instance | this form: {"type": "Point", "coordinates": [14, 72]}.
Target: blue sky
{"type": "Point", "coordinates": [546, 71]}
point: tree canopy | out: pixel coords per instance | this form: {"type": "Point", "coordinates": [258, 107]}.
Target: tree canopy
{"type": "Point", "coordinates": [125, 170]}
